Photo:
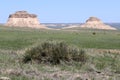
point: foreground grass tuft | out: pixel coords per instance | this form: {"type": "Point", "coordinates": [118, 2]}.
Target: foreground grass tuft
{"type": "Point", "coordinates": [54, 52]}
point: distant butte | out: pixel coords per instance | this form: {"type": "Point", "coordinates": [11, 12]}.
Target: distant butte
{"type": "Point", "coordinates": [23, 19]}
{"type": "Point", "coordinates": [95, 23]}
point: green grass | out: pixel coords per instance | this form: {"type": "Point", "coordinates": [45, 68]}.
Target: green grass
{"type": "Point", "coordinates": [20, 38]}
{"type": "Point", "coordinates": [13, 42]}
{"type": "Point", "coordinates": [107, 63]}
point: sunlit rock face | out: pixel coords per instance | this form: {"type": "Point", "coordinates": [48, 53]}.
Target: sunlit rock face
{"type": "Point", "coordinates": [24, 19]}
{"type": "Point", "coordinates": [92, 23]}
{"type": "Point", "coordinates": [95, 23]}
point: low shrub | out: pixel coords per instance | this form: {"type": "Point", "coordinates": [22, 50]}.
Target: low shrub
{"type": "Point", "coordinates": [54, 52]}
{"type": "Point", "coordinates": [94, 33]}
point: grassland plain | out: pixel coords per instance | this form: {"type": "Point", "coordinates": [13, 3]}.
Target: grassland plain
{"type": "Point", "coordinates": [20, 38]}
{"type": "Point", "coordinates": [102, 47]}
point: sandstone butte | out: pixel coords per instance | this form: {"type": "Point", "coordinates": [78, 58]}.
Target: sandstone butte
{"type": "Point", "coordinates": [94, 23]}
{"type": "Point", "coordinates": [24, 19]}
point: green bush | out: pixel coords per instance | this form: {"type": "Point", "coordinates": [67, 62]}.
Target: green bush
{"type": "Point", "coordinates": [94, 33]}
{"type": "Point", "coordinates": [54, 52]}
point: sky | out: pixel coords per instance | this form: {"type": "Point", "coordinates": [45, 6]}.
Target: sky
{"type": "Point", "coordinates": [63, 11]}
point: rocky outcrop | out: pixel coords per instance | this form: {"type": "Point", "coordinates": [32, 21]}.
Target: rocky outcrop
{"type": "Point", "coordinates": [92, 23]}
{"type": "Point", "coordinates": [96, 23]}
{"type": "Point", "coordinates": [22, 14]}
{"type": "Point", "coordinates": [24, 19]}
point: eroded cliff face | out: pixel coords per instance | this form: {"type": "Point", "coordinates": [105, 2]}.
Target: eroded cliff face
{"type": "Point", "coordinates": [95, 23]}
{"type": "Point", "coordinates": [22, 14]}
{"type": "Point", "coordinates": [92, 23]}
{"type": "Point", "coordinates": [24, 19]}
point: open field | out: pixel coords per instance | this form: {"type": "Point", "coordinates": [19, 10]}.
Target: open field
{"type": "Point", "coordinates": [20, 38]}
{"type": "Point", "coordinates": [101, 46]}
{"type": "Point", "coordinates": [101, 65]}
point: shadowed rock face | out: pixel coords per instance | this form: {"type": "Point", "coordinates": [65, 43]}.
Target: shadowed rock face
{"type": "Point", "coordinates": [93, 19]}
{"type": "Point", "coordinates": [24, 19]}
{"type": "Point", "coordinates": [22, 14]}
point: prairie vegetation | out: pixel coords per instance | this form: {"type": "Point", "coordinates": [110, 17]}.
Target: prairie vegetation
{"type": "Point", "coordinates": [102, 51]}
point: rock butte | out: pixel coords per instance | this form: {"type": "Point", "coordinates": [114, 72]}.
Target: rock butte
{"type": "Point", "coordinates": [94, 23]}
{"type": "Point", "coordinates": [24, 19]}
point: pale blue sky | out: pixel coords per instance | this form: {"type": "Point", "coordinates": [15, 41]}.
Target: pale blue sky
{"type": "Point", "coordinates": [63, 11]}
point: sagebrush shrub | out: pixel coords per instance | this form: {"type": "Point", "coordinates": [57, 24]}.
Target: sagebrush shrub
{"type": "Point", "coordinates": [54, 52]}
